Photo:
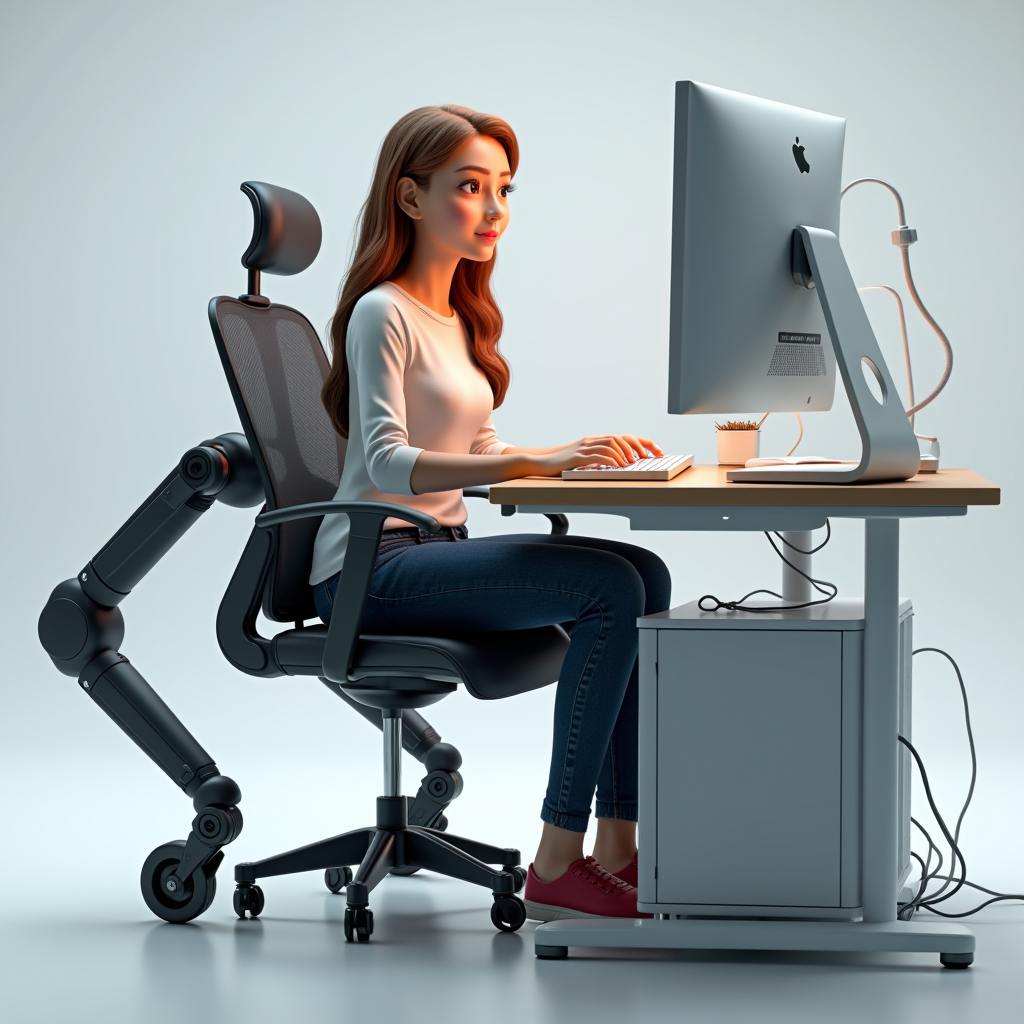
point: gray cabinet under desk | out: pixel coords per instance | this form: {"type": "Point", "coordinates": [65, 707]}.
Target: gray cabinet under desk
{"type": "Point", "coordinates": [750, 761]}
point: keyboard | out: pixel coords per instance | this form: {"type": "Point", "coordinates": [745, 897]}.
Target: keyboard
{"type": "Point", "coordinates": [664, 468]}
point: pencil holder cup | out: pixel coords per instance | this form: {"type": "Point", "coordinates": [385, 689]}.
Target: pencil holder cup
{"type": "Point", "coordinates": [736, 446]}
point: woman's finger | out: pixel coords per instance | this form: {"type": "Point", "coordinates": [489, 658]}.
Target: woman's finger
{"type": "Point", "coordinates": [611, 441]}
{"type": "Point", "coordinates": [618, 451]}
{"type": "Point", "coordinates": [611, 455]}
{"type": "Point", "coordinates": [621, 445]}
{"type": "Point", "coordinates": [652, 445]}
{"type": "Point", "coordinates": [636, 444]}
{"type": "Point", "coordinates": [633, 450]}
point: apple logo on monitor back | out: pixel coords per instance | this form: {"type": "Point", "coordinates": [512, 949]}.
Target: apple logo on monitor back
{"type": "Point", "coordinates": [798, 156]}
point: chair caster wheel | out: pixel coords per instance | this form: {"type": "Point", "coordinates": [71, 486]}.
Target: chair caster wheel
{"type": "Point", "coordinates": [404, 871]}
{"type": "Point", "coordinates": [249, 898]}
{"type": "Point", "coordinates": [171, 898]}
{"type": "Point", "coordinates": [956, 961]}
{"type": "Point", "coordinates": [337, 878]}
{"type": "Point", "coordinates": [508, 913]}
{"type": "Point", "coordinates": [520, 874]}
{"type": "Point", "coordinates": [358, 924]}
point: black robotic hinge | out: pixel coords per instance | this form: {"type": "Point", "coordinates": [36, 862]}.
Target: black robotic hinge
{"type": "Point", "coordinates": [96, 668]}
{"type": "Point", "coordinates": [212, 828]}
{"type": "Point", "coordinates": [178, 492]}
{"type": "Point", "coordinates": [437, 790]}
{"type": "Point", "coordinates": [96, 590]}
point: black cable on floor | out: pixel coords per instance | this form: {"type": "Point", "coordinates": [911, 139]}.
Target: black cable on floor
{"type": "Point", "coordinates": [921, 900]}
{"type": "Point", "coordinates": [924, 900]}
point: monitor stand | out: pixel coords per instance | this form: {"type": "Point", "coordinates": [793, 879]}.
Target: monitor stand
{"type": "Point", "coordinates": [890, 450]}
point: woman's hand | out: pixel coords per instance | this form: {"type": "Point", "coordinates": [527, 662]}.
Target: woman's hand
{"type": "Point", "coordinates": [604, 450]}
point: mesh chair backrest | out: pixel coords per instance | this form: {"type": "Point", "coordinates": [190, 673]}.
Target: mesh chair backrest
{"type": "Point", "coordinates": [276, 367]}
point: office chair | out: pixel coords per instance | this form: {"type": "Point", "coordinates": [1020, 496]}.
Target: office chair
{"type": "Point", "coordinates": [290, 460]}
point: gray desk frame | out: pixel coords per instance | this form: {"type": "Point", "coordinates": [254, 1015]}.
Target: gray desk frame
{"type": "Point", "coordinates": [879, 931]}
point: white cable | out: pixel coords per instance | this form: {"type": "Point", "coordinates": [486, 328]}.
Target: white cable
{"type": "Point", "coordinates": [903, 237]}
{"type": "Point", "coordinates": [903, 332]}
{"type": "Point", "coordinates": [799, 438]}
{"type": "Point", "coordinates": [935, 327]}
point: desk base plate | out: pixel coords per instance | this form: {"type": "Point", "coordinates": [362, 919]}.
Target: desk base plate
{"type": "Point", "coordinates": [953, 942]}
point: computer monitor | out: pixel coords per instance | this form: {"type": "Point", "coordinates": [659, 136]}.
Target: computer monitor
{"type": "Point", "coordinates": [743, 336]}
{"type": "Point", "coordinates": [763, 307]}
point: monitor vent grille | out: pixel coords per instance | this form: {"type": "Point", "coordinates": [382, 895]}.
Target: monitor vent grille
{"type": "Point", "coordinates": [798, 360]}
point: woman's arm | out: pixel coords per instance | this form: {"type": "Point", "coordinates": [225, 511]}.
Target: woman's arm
{"type": "Point", "coordinates": [440, 471]}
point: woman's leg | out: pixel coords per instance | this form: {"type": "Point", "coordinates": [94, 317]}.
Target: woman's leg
{"type": "Point", "coordinates": [615, 845]}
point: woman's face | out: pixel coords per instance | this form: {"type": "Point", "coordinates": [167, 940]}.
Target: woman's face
{"type": "Point", "coordinates": [464, 211]}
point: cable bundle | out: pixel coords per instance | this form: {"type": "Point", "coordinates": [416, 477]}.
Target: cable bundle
{"type": "Point", "coordinates": [830, 590]}
{"type": "Point", "coordinates": [925, 900]}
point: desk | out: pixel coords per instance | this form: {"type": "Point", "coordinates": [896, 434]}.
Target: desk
{"type": "Point", "coordinates": [702, 499]}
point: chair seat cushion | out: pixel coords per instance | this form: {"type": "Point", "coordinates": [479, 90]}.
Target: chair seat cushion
{"type": "Point", "coordinates": [489, 665]}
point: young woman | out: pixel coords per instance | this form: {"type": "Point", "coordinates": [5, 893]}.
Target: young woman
{"type": "Point", "coordinates": [415, 376]}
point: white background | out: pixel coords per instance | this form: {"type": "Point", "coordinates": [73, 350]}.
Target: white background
{"type": "Point", "coordinates": [125, 130]}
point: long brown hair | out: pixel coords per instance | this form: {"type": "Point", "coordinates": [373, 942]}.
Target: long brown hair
{"type": "Point", "coordinates": [415, 147]}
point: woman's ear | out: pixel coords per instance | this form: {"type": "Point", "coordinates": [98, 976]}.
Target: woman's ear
{"type": "Point", "coordinates": [407, 195]}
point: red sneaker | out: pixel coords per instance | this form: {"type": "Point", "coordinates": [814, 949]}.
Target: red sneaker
{"type": "Point", "coordinates": [585, 890]}
{"type": "Point", "coordinates": [628, 873]}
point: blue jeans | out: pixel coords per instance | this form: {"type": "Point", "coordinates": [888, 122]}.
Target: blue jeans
{"type": "Point", "coordinates": [597, 588]}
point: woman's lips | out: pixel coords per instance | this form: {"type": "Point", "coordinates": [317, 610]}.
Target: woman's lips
{"type": "Point", "coordinates": [491, 236]}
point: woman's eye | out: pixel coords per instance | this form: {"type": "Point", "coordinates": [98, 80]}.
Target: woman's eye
{"type": "Point", "coordinates": [505, 191]}
{"type": "Point", "coordinates": [472, 186]}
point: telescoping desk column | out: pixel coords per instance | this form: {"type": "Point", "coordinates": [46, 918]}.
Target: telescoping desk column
{"type": "Point", "coordinates": [701, 499]}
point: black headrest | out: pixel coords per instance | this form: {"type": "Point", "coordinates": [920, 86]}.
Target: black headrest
{"type": "Point", "coordinates": [286, 234]}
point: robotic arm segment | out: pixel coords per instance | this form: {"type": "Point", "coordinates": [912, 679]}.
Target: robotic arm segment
{"type": "Point", "coordinates": [219, 469]}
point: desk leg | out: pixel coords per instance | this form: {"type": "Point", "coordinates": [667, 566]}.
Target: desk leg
{"type": "Point", "coordinates": [795, 588]}
{"type": "Point", "coordinates": [879, 826]}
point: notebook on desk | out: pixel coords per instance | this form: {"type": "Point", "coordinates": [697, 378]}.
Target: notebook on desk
{"type": "Point", "coordinates": [791, 460]}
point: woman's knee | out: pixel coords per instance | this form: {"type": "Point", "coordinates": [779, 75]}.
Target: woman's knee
{"type": "Point", "coordinates": [653, 572]}
{"type": "Point", "coordinates": [620, 587]}
{"type": "Point", "coordinates": [657, 580]}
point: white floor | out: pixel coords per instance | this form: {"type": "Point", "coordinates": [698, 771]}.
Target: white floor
{"type": "Point", "coordinates": [78, 945]}
{"type": "Point", "coordinates": [435, 957]}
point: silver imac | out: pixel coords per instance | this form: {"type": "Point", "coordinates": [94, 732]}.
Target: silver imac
{"type": "Point", "coordinates": [763, 307]}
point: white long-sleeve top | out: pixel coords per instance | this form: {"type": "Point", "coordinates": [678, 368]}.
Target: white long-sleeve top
{"type": "Point", "coordinates": [413, 386]}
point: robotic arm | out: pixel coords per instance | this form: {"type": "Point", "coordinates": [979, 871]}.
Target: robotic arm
{"type": "Point", "coordinates": [81, 628]}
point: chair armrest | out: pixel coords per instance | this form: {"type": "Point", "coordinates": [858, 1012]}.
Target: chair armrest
{"type": "Point", "coordinates": [324, 508]}
{"type": "Point", "coordinates": [366, 522]}
{"type": "Point", "coordinates": [475, 492]}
